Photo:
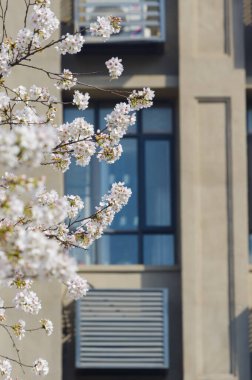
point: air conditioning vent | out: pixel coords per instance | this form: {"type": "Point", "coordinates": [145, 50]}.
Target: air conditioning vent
{"type": "Point", "coordinates": [142, 20]}
{"type": "Point", "coordinates": [118, 328]}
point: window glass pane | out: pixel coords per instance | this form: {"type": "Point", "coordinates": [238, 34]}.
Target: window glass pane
{"type": "Point", "coordinates": [158, 183]}
{"type": "Point", "coordinates": [83, 256]}
{"type": "Point", "coordinates": [250, 179]}
{"type": "Point", "coordinates": [118, 249]}
{"type": "Point", "coordinates": [159, 250]}
{"type": "Point", "coordinates": [78, 182]}
{"type": "Point", "coordinates": [249, 121]}
{"type": "Point", "coordinates": [157, 120]}
{"type": "Point", "coordinates": [250, 248]}
{"type": "Point", "coordinates": [102, 123]}
{"type": "Point", "coordinates": [70, 113]}
{"type": "Point", "coordinates": [125, 170]}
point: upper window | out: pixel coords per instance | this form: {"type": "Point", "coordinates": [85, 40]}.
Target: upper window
{"type": "Point", "coordinates": [144, 231]}
{"type": "Point", "coordinates": [142, 20]}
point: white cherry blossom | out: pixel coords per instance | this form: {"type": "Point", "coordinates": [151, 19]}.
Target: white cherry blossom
{"type": "Point", "coordinates": [44, 20]}
{"type": "Point", "coordinates": [47, 325]}
{"type": "Point", "coordinates": [114, 67]}
{"type": "Point", "coordinates": [77, 287]}
{"type": "Point", "coordinates": [71, 44]}
{"type": "Point", "coordinates": [40, 367]}
{"type": "Point", "coordinates": [2, 310]}
{"type": "Point", "coordinates": [81, 100]}
{"type": "Point", "coordinates": [19, 329]}
{"type": "Point", "coordinates": [105, 26]}
{"type": "Point", "coordinates": [66, 80]}
{"type": "Point", "coordinates": [5, 368]}
{"type": "Point", "coordinates": [27, 301]}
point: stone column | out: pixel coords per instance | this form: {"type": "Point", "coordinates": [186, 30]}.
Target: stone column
{"type": "Point", "coordinates": [213, 172]}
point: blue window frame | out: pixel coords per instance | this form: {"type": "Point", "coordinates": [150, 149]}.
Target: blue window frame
{"type": "Point", "coordinates": [144, 231]}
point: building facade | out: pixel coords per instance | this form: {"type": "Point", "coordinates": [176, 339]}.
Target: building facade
{"type": "Point", "coordinates": [196, 242]}
{"type": "Point", "coordinates": [187, 227]}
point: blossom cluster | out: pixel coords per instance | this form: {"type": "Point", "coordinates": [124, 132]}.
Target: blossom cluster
{"type": "Point", "coordinates": [39, 367]}
{"type": "Point", "coordinates": [105, 26]}
{"type": "Point", "coordinates": [91, 229]}
{"type": "Point", "coordinates": [79, 139]}
{"type": "Point", "coordinates": [36, 138]}
{"type": "Point", "coordinates": [81, 100]}
{"type": "Point", "coordinates": [26, 300]}
{"type": "Point", "coordinates": [34, 240]}
{"type": "Point", "coordinates": [71, 44]}
{"type": "Point", "coordinates": [114, 67]}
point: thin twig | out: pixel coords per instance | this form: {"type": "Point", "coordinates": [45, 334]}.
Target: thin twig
{"type": "Point", "coordinates": [14, 346]}
{"type": "Point", "coordinates": [15, 361]}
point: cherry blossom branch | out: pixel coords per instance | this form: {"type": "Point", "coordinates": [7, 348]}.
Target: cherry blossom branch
{"type": "Point", "coordinates": [59, 76]}
{"type": "Point", "coordinates": [16, 361]}
{"type": "Point", "coordinates": [14, 345]}
{"type": "Point", "coordinates": [3, 16]}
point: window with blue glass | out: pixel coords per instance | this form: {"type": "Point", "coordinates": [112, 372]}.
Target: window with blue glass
{"type": "Point", "coordinates": [249, 129]}
{"type": "Point", "coordinates": [144, 231]}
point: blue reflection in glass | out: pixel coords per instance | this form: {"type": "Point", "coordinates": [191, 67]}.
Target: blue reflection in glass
{"type": "Point", "coordinates": [158, 183]}
{"type": "Point", "coordinates": [249, 121]}
{"type": "Point", "coordinates": [250, 248]}
{"type": "Point", "coordinates": [85, 257]}
{"type": "Point", "coordinates": [157, 120]}
{"type": "Point", "coordinates": [125, 170]}
{"type": "Point", "coordinates": [117, 249]}
{"type": "Point", "coordinates": [159, 250]}
{"type": "Point", "coordinates": [70, 113]}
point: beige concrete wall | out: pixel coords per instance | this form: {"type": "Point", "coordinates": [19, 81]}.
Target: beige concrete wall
{"type": "Point", "coordinates": [48, 59]}
{"type": "Point", "coordinates": [213, 190]}
{"type": "Point", "coordinates": [37, 344]}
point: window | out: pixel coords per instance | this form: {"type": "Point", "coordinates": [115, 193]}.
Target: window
{"type": "Point", "coordinates": [141, 20]}
{"type": "Point", "coordinates": [249, 128]}
{"type": "Point", "coordinates": [144, 231]}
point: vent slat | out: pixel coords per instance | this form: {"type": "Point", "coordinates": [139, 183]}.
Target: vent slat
{"type": "Point", "coordinates": [128, 297]}
{"type": "Point", "coordinates": [117, 354]}
{"type": "Point", "coordinates": [121, 344]}
{"type": "Point", "coordinates": [118, 318]}
{"type": "Point", "coordinates": [115, 329]}
{"type": "Point", "coordinates": [120, 326]}
{"type": "Point", "coordinates": [122, 338]}
{"type": "Point", "coordinates": [121, 305]}
{"type": "Point", "coordinates": [122, 360]}
{"type": "Point", "coordinates": [122, 313]}
{"type": "Point", "coordinates": [137, 335]}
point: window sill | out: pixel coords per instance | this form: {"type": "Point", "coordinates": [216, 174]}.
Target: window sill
{"type": "Point", "coordinates": [128, 268]}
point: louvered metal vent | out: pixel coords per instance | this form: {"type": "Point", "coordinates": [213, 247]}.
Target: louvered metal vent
{"type": "Point", "coordinates": [122, 329]}
{"type": "Point", "coordinates": [142, 20]}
